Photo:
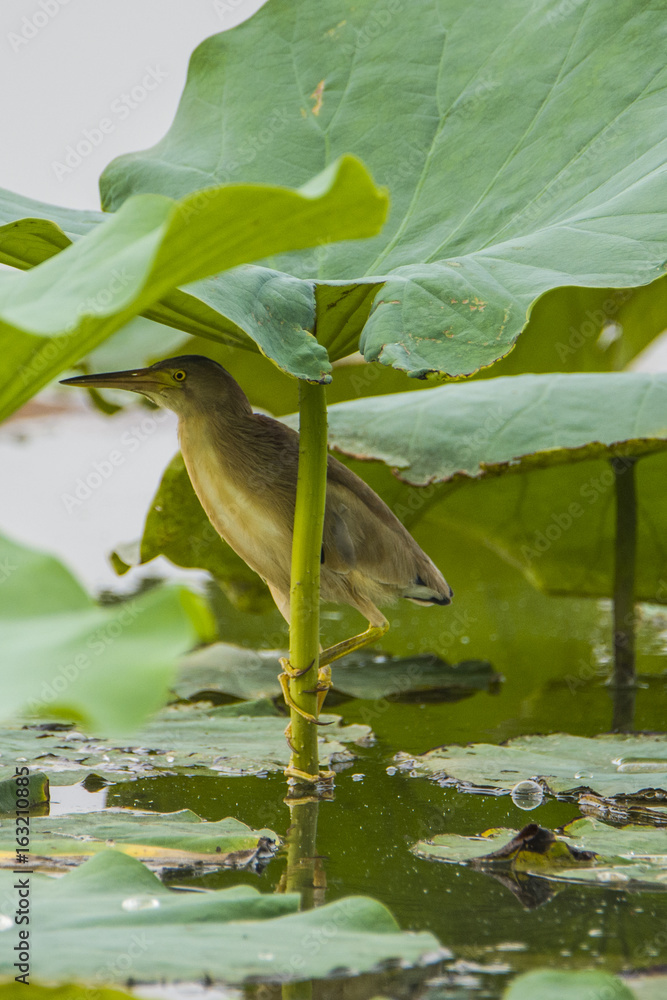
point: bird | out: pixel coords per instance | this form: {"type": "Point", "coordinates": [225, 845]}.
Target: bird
{"type": "Point", "coordinates": [243, 467]}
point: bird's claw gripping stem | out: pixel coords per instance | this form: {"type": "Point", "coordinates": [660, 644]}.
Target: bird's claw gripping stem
{"type": "Point", "coordinates": [289, 669]}
{"type": "Point", "coordinates": [294, 772]}
{"type": "Point", "coordinates": [284, 679]}
{"type": "Point", "coordinates": [311, 779]}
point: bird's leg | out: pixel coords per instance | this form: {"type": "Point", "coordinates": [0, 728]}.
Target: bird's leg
{"type": "Point", "coordinates": [284, 678]}
{"type": "Point", "coordinates": [350, 645]}
{"type": "Point", "coordinates": [323, 685]}
{"type": "Point", "coordinates": [327, 656]}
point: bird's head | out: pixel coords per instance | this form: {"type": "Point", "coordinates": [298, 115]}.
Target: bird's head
{"type": "Point", "coordinates": [187, 384]}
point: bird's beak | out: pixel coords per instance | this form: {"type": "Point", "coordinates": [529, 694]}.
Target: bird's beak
{"type": "Point", "coordinates": [144, 380]}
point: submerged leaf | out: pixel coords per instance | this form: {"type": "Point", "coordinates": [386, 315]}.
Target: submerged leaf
{"type": "Point", "coordinates": [253, 673]}
{"type": "Point", "coordinates": [586, 850]}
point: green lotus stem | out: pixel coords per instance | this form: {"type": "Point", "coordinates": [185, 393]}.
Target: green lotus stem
{"type": "Point", "coordinates": [305, 585]}
{"type": "Point", "coordinates": [300, 874]}
{"type": "Point", "coordinates": [624, 571]}
{"type": "Point", "coordinates": [302, 857]}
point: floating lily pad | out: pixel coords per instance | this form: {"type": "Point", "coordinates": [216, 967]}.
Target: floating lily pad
{"type": "Point", "coordinates": [553, 984]}
{"type": "Point", "coordinates": [648, 985]}
{"type": "Point", "coordinates": [614, 766]}
{"type": "Point", "coordinates": [113, 906]}
{"type": "Point", "coordinates": [586, 850]}
{"type": "Point", "coordinates": [71, 991]}
{"type": "Point", "coordinates": [253, 673]}
{"type": "Point", "coordinates": [620, 812]}
{"type": "Point", "coordinates": [37, 792]}
{"type": "Point", "coordinates": [179, 839]}
{"type": "Point", "coordinates": [63, 655]}
{"type": "Point", "coordinates": [247, 739]}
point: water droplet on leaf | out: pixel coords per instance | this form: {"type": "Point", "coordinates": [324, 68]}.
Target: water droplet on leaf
{"type": "Point", "coordinates": [133, 903]}
{"type": "Point", "coordinates": [527, 794]}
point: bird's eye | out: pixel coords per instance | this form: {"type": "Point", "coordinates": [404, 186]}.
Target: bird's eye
{"type": "Point", "coordinates": [179, 376]}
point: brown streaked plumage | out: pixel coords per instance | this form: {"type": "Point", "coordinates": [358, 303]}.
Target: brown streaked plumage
{"type": "Point", "coordinates": [243, 467]}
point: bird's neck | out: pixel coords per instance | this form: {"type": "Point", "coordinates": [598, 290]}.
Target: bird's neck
{"type": "Point", "coordinates": [215, 438]}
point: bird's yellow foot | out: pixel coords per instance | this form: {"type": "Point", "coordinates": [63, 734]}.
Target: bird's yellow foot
{"type": "Point", "coordinates": [323, 685]}
{"type": "Point", "coordinates": [289, 669]}
{"type": "Point", "coordinates": [310, 779]}
{"type": "Point", "coordinates": [289, 700]}
{"type": "Point", "coordinates": [288, 737]}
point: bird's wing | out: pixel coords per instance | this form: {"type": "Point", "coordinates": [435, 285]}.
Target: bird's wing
{"type": "Point", "coordinates": [363, 534]}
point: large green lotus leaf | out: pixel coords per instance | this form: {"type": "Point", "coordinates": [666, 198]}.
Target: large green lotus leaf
{"type": "Point", "coordinates": [63, 655]}
{"type": "Point", "coordinates": [180, 739]}
{"type": "Point", "coordinates": [54, 314]}
{"type": "Point", "coordinates": [253, 673]}
{"type": "Point", "coordinates": [587, 329]}
{"type": "Point", "coordinates": [32, 231]}
{"type": "Point", "coordinates": [611, 765]}
{"type": "Point", "coordinates": [487, 428]}
{"type": "Point", "coordinates": [113, 907]}
{"type": "Point", "coordinates": [523, 465]}
{"type": "Point", "coordinates": [175, 839]}
{"type": "Point", "coordinates": [556, 984]}
{"type": "Point", "coordinates": [516, 160]}
{"type": "Point", "coordinates": [586, 850]}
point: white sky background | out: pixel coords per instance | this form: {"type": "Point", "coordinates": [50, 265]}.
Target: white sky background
{"type": "Point", "coordinates": [54, 86]}
{"type": "Point", "coordinates": [73, 73]}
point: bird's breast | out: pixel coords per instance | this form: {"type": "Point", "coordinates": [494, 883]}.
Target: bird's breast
{"type": "Point", "coordinates": [242, 513]}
